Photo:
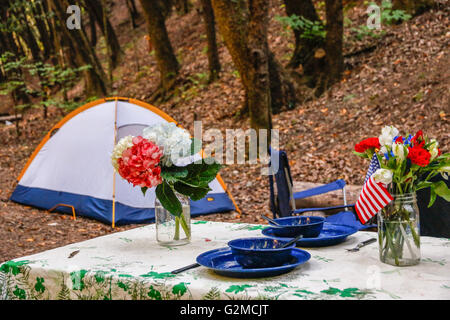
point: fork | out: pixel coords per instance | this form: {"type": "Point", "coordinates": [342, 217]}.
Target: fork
{"type": "Point", "coordinates": [362, 244]}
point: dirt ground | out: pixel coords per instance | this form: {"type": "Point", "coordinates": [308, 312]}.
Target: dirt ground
{"type": "Point", "coordinates": [402, 81]}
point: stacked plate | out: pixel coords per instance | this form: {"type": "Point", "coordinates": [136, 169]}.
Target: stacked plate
{"type": "Point", "coordinates": [253, 258]}
{"type": "Point", "coordinates": [262, 257]}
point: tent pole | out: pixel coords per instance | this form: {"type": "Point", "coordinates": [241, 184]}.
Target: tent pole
{"type": "Point", "coordinates": [114, 172]}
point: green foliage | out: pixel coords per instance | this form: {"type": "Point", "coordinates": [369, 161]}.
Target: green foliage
{"type": "Point", "coordinates": [313, 30]}
{"type": "Point", "coordinates": [388, 17]}
{"type": "Point", "coordinates": [191, 181]}
{"type": "Point", "coordinates": [48, 78]}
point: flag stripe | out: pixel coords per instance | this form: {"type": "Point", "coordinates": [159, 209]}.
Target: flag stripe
{"type": "Point", "coordinates": [382, 192]}
{"type": "Point", "coordinates": [373, 197]}
{"type": "Point", "coordinates": [369, 203]}
{"type": "Point", "coordinates": [362, 208]}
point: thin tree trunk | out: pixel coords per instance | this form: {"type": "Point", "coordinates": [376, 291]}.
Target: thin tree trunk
{"type": "Point", "coordinates": [236, 27]}
{"type": "Point", "coordinates": [93, 28]}
{"type": "Point", "coordinates": [44, 9]}
{"type": "Point", "coordinates": [97, 8]}
{"type": "Point", "coordinates": [182, 6]}
{"type": "Point", "coordinates": [210, 26]}
{"type": "Point", "coordinates": [85, 55]}
{"type": "Point", "coordinates": [167, 62]}
{"type": "Point", "coordinates": [133, 12]}
{"type": "Point", "coordinates": [39, 18]}
{"type": "Point", "coordinates": [304, 48]}
{"type": "Point", "coordinates": [28, 35]}
{"type": "Point", "coordinates": [246, 40]}
{"type": "Point", "coordinates": [259, 100]}
{"type": "Point", "coordinates": [334, 61]}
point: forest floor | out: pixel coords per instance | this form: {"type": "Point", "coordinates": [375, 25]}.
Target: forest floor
{"type": "Point", "coordinates": [403, 81]}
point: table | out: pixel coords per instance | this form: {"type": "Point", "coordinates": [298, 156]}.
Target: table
{"type": "Point", "coordinates": [130, 265]}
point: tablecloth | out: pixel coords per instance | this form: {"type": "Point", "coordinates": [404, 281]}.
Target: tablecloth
{"type": "Point", "coordinates": [131, 265]}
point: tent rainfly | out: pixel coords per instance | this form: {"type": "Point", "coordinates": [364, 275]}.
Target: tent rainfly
{"type": "Point", "coordinates": [71, 169]}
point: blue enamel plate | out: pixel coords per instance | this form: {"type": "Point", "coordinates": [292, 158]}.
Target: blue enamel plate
{"type": "Point", "coordinates": [222, 262]}
{"type": "Point", "coordinates": [330, 235]}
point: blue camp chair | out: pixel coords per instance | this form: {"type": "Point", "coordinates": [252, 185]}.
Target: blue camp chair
{"type": "Point", "coordinates": [283, 200]}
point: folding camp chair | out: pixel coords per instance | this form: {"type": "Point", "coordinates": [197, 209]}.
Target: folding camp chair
{"type": "Point", "coordinates": [282, 201]}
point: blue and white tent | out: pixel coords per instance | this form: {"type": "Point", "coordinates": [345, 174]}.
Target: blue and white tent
{"type": "Point", "coordinates": [71, 169]}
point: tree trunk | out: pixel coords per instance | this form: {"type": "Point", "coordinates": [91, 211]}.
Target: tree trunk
{"type": "Point", "coordinates": [258, 98]}
{"type": "Point", "coordinates": [28, 35]}
{"type": "Point", "coordinates": [333, 64]}
{"type": "Point", "coordinates": [133, 12]}
{"type": "Point", "coordinates": [39, 18]}
{"type": "Point", "coordinates": [304, 47]}
{"type": "Point", "coordinates": [84, 53]}
{"type": "Point", "coordinates": [413, 7]}
{"type": "Point", "coordinates": [210, 26]}
{"type": "Point", "coordinates": [167, 62]}
{"type": "Point", "coordinates": [99, 12]}
{"type": "Point", "coordinates": [246, 39]}
{"type": "Point", "coordinates": [44, 9]}
{"type": "Point", "coordinates": [239, 26]}
{"type": "Point", "coordinates": [93, 28]}
{"type": "Point", "coordinates": [182, 6]}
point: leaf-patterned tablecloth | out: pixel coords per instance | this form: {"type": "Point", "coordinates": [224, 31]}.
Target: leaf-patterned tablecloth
{"type": "Point", "coordinates": [131, 265]}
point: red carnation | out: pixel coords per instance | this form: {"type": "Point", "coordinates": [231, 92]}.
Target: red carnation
{"type": "Point", "coordinates": [419, 156]}
{"type": "Point", "coordinates": [367, 144]}
{"type": "Point", "coordinates": [418, 139]}
{"type": "Point", "coordinates": [139, 164]}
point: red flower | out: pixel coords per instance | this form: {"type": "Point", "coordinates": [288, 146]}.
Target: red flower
{"type": "Point", "coordinates": [399, 140]}
{"type": "Point", "coordinates": [418, 139]}
{"type": "Point", "coordinates": [419, 156]}
{"type": "Point", "coordinates": [367, 144]}
{"type": "Point", "coordinates": [139, 164]}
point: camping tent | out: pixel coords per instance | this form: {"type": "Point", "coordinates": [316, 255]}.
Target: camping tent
{"type": "Point", "coordinates": [71, 169]}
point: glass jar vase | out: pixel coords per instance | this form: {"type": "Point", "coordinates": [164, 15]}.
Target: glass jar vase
{"type": "Point", "coordinates": [173, 230]}
{"type": "Point", "coordinates": [399, 231]}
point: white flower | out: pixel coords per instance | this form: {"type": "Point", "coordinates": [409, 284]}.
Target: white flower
{"type": "Point", "coordinates": [400, 152]}
{"type": "Point", "coordinates": [383, 176]}
{"type": "Point", "coordinates": [445, 169]}
{"type": "Point", "coordinates": [383, 150]}
{"type": "Point", "coordinates": [388, 134]}
{"type": "Point", "coordinates": [174, 141]}
{"type": "Point", "coordinates": [119, 148]}
{"type": "Point", "coordinates": [434, 149]}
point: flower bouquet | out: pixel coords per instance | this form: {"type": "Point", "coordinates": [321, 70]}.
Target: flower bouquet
{"type": "Point", "coordinates": [154, 160]}
{"type": "Point", "coordinates": [406, 165]}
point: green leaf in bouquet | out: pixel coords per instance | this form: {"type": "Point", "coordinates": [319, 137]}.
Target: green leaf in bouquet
{"type": "Point", "coordinates": [438, 188]}
{"type": "Point", "coordinates": [442, 190]}
{"type": "Point", "coordinates": [173, 173]}
{"type": "Point", "coordinates": [361, 154]}
{"type": "Point", "coordinates": [432, 196]}
{"type": "Point", "coordinates": [168, 199]}
{"type": "Point", "coordinates": [193, 192]}
{"type": "Point", "coordinates": [144, 190]}
{"type": "Point", "coordinates": [201, 174]}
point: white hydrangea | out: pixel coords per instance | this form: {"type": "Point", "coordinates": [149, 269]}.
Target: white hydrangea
{"type": "Point", "coordinates": [174, 141]}
{"type": "Point", "coordinates": [120, 147]}
{"type": "Point", "coordinates": [388, 134]}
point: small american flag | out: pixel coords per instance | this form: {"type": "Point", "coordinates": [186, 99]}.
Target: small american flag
{"type": "Point", "coordinates": [373, 166]}
{"type": "Point", "coordinates": [374, 196]}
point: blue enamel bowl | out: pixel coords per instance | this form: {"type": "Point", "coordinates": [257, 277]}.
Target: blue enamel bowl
{"type": "Point", "coordinates": [260, 252]}
{"type": "Point", "coordinates": [308, 226]}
